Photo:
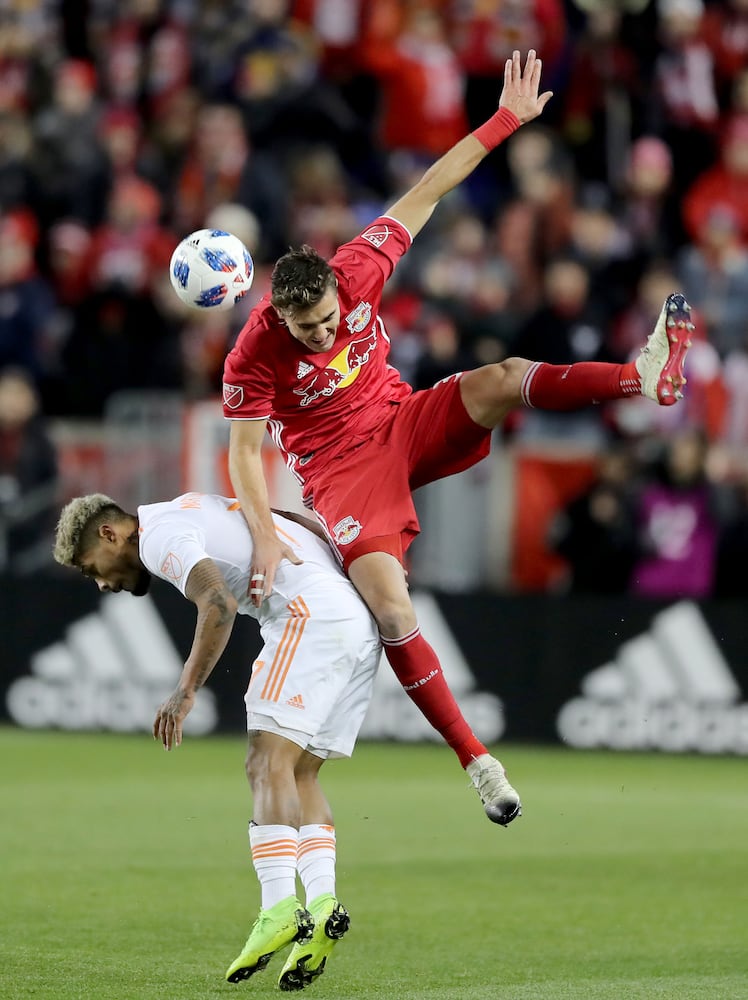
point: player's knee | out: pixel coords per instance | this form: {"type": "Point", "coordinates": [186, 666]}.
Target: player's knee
{"type": "Point", "coordinates": [491, 392]}
{"type": "Point", "coordinates": [266, 763]}
{"type": "Point", "coordinates": [505, 379]}
{"type": "Point", "coordinates": [395, 618]}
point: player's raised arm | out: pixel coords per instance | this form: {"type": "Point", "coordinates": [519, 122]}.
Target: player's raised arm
{"type": "Point", "coordinates": [216, 611]}
{"type": "Point", "coordinates": [248, 481]}
{"type": "Point", "coordinates": [519, 103]}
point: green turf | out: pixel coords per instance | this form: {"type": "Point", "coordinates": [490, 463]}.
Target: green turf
{"type": "Point", "coordinates": [126, 874]}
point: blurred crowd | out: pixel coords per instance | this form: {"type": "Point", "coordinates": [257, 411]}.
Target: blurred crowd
{"type": "Point", "coordinates": [126, 124]}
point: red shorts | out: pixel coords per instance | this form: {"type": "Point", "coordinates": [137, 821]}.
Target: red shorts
{"type": "Point", "coordinates": [363, 497]}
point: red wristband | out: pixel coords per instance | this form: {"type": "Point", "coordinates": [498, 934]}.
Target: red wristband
{"type": "Point", "coordinates": [499, 127]}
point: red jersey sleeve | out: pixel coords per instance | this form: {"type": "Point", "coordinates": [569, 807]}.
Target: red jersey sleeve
{"type": "Point", "coordinates": [248, 373]}
{"type": "Point", "coordinates": [382, 244]}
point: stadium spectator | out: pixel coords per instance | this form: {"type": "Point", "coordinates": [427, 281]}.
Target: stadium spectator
{"type": "Point", "coordinates": [28, 303]}
{"type": "Point", "coordinates": [725, 30]}
{"type": "Point", "coordinates": [422, 84]}
{"type": "Point", "coordinates": [603, 98]}
{"type": "Point", "coordinates": [569, 326]}
{"type": "Point", "coordinates": [714, 274]}
{"type": "Point", "coordinates": [222, 166]}
{"type": "Point", "coordinates": [16, 177]}
{"type": "Point", "coordinates": [646, 206]}
{"type": "Point", "coordinates": [534, 225]}
{"type": "Point", "coordinates": [486, 34]}
{"type": "Point", "coordinates": [28, 475]}
{"type": "Point", "coordinates": [443, 352]}
{"type": "Point", "coordinates": [143, 55]}
{"type": "Point", "coordinates": [685, 110]}
{"type": "Point", "coordinates": [68, 161]}
{"type": "Point", "coordinates": [679, 516]}
{"type": "Point", "coordinates": [596, 532]}
{"type": "Point", "coordinates": [725, 183]}
{"type": "Point", "coordinates": [330, 672]}
{"type": "Point", "coordinates": [320, 204]}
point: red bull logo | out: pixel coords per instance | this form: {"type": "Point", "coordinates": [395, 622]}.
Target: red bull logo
{"type": "Point", "coordinates": [358, 318]}
{"type": "Point", "coordinates": [324, 383]}
{"type": "Point", "coordinates": [345, 531]}
{"type": "Point", "coordinates": [341, 371]}
{"type": "Point", "coordinates": [359, 350]}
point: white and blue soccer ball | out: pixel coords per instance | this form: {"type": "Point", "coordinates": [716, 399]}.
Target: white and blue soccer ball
{"type": "Point", "coordinates": [211, 269]}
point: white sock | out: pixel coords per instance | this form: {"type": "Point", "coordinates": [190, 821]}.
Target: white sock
{"type": "Point", "coordinates": [317, 859]}
{"type": "Point", "coordinates": [274, 848]}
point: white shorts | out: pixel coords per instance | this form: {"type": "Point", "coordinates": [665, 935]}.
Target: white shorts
{"type": "Point", "coordinates": [312, 681]}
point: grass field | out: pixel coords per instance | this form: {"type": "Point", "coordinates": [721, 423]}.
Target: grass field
{"type": "Point", "coordinates": [126, 874]}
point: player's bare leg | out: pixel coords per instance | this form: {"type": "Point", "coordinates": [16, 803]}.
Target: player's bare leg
{"type": "Point", "coordinates": [380, 579]}
{"type": "Point", "coordinates": [274, 840]}
{"type": "Point", "coordinates": [489, 393]}
{"type": "Point", "coordinates": [316, 865]}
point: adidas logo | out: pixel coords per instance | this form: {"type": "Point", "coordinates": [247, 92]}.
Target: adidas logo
{"type": "Point", "coordinates": [668, 689]}
{"type": "Point", "coordinates": [303, 369]}
{"type": "Point", "coordinates": [296, 702]}
{"type": "Point", "coordinates": [392, 717]}
{"type": "Point", "coordinates": [111, 670]}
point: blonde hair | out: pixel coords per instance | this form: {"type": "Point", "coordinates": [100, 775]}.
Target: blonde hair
{"type": "Point", "coordinates": [79, 519]}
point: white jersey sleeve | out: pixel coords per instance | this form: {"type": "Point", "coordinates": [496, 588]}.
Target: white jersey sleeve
{"type": "Point", "coordinates": [177, 534]}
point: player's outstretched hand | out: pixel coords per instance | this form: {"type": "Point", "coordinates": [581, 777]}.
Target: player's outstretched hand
{"type": "Point", "coordinates": [167, 726]}
{"type": "Point", "coordinates": [520, 93]}
{"type": "Point", "coordinates": [266, 558]}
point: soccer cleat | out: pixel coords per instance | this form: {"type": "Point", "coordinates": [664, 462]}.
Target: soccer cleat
{"type": "Point", "coordinates": [308, 958]}
{"type": "Point", "coordinates": [660, 363]}
{"type": "Point", "coordinates": [499, 799]}
{"type": "Point", "coordinates": [275, 927]}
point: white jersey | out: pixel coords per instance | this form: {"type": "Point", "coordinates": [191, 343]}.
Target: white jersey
{"type": "Point", "coordinates": [312, 681]}
{"type": "Point", "coordinates": [177, 534]}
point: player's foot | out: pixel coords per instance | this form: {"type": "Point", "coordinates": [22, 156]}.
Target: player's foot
{"type": "Point", "coordinates": [499, 799]}
{"type": "Point", "coordinates": [308, 959]}
{"type": "Point", "coordinates": [660, 363]}
{"type": "Point", "coordinates": [275, 927]}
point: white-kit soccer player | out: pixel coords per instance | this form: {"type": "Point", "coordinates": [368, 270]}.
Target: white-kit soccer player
{"type": "Point", "coordinates": [309, 691]}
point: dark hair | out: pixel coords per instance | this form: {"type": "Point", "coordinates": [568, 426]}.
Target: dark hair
{"type": "Point", "coordinates": [300, 279]}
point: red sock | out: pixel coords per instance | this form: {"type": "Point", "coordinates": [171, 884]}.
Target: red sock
{"type": "Point", "coordinates": [417, 668]}
{"type": "Point", "coordinates": [570, 387]}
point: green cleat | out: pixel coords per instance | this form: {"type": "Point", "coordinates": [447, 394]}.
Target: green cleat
{"type": "Point", "coordinates": [307, 959]}
{"type": "Point", "coordinates": [285, 922]}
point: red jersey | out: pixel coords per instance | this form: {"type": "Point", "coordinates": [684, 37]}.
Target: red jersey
{"type": "Point", "coordinates": [320, 404]}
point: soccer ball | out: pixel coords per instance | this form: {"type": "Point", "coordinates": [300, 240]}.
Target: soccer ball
{"type": "Point", "coordinates": [211, 269]}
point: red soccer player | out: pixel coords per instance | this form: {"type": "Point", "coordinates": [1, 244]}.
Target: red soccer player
{"type": "Point", "coordinates": [311, 366]}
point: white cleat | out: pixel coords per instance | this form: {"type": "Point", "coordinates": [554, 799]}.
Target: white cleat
{"type": "Point", "coordinates": [499, 799]}
{"type": "Point", "coordinates": [660, 363]}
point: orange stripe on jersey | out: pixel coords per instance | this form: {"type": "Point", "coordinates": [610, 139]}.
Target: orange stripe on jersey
{"type": "Point", "coordinates": [286, 649]}
{"type": "Point", "coordinates": [234, 506]}
{"type": "Point", "coordinates": [289, 538]}
{"type": "Point", "coordinates": [280, 653]}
